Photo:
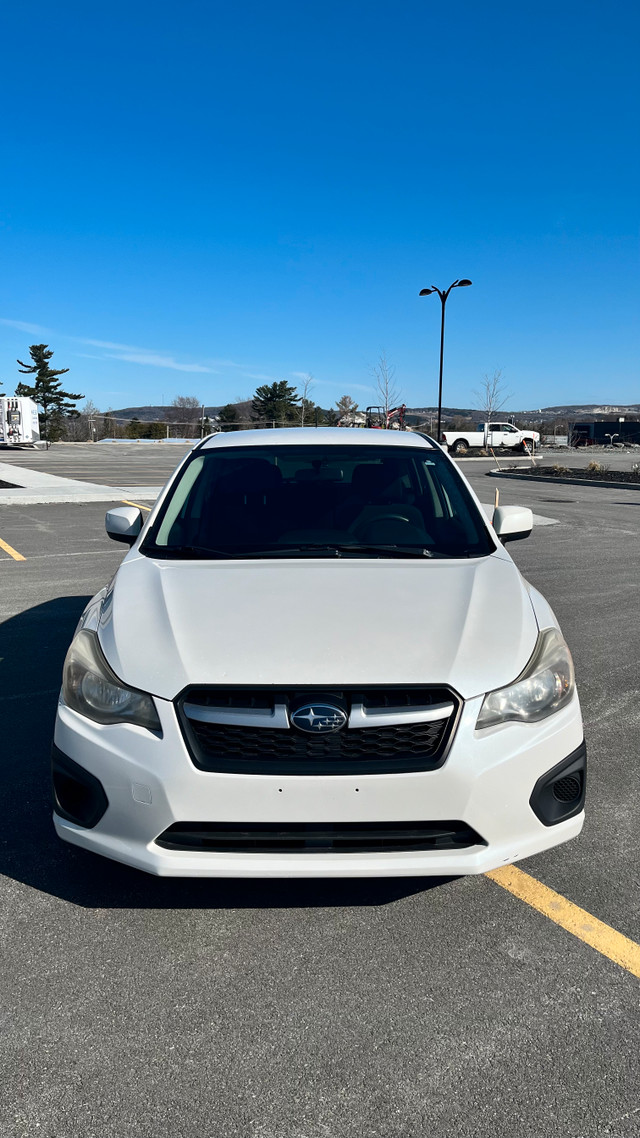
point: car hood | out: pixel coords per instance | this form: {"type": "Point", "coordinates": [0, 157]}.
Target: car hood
{"type": "Point", "coordinates": [466, 623]}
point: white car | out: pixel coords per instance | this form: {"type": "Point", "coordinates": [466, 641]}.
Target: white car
{"type": "Point", "coordinates": [318, 660]}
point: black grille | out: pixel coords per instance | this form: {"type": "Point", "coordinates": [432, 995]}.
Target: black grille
{"type": "Point", "coordinates": [318, 837]}
{"type": "Point", "coordinates": [567, 788]}
{"type": "Point", "coordinates": [369, 750]}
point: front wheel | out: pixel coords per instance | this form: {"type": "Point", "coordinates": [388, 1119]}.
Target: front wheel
{"type": "Point", "coordinates": [527, 445]}
{"type": "Point", "coordinates": [460, 446]}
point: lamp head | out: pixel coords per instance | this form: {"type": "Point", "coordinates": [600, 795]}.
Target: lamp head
{"type": "Point", "coordinates": [426, 291]}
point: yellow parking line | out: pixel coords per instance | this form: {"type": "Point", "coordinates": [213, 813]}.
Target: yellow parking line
{"type": "Point", "coordinates": [571, 917]}
{"type": "Point", "coordinates": [138, 505]}
{"type": "Point", "coordinates": [11, 551]}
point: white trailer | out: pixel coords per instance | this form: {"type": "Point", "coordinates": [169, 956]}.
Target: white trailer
{"type": "Point", "coordinates": [492, 435]}
{"type": "Point", "coordinates": [19, 423]}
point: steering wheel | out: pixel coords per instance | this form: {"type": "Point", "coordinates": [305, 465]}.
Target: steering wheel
{"type": "Point", "coordinates": [368, 528]}
{"type": "Point", "coordinates": [386, 518]}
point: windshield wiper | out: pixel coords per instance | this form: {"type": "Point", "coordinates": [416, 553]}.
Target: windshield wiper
{"type": "Point", "coordinates": [394, 550]}
{"type": "Point", "coordinates": [328, 549]}
{"type": "Point", "coordinates": [186, 551]}
{"type": "Point", "coordinates": [339, 549]}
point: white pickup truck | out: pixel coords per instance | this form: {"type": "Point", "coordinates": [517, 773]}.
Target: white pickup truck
{"type": "Point", "coordinates": [490, 435]}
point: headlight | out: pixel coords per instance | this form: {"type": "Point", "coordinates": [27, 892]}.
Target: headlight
{"type": "Point", "coordinates": [545, 686]}
{"type": "Point", "coordinates": [90, 687]}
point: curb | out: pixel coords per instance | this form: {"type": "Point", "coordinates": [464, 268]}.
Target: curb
{"type": "Point", "coordinates": [35, 488]}
{"type": "Point", "coordinates": [561, 481]}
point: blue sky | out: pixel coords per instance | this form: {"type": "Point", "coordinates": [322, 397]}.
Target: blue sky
{"type": "Point", "coordinates": [198, 197]}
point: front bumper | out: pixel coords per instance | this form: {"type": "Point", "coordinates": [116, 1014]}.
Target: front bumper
{"type": "Point", "coordinates": [487, 783]}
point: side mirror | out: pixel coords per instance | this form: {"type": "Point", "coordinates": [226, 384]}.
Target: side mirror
{"type": "Point", "coordinates": [123, 524]}
{"type": "Point", "coordinates": [512, 523]}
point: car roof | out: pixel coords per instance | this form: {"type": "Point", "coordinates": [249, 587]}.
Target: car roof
{"type": "Point", "coordinates": [317, 436]}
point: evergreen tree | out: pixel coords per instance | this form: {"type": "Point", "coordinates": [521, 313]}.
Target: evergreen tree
{"type": "Point", "coordinates": [57, 426]}
{"type": "Point", "coordinates": [47, 392]}
{"type": "Point", "coordinates": [228, 418]}
{"type": "Point", "coordinates": [134, 428]}
{"type": "Point", "coordinates": [346, 406]}
{"type": "Point", "coordinates": [275, 403]}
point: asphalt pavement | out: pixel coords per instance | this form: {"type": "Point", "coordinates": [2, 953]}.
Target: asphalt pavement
{"type": "Point", "coordinates": [113, 464]}
{"type": "Point", "coordinates": [391, 1009]}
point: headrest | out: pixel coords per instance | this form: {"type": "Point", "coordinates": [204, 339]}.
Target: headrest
{"type": "Point", "coordinates": [372, 478]}
{"type": "Point", "coordinates": [252, 477]}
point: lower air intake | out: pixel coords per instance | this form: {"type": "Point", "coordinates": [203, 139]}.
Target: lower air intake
{"type": "Point", "coordinates": [568, 789]}
{"type": "Point", "coordinates": [318, 837]}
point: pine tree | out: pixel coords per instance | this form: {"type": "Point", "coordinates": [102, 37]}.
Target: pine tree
{"type": "Point", "coordinates": [275, 403]}
{"type": "Point", "coordinates": [228, 418]}
{"type": "Point", "coordinates": [47, 391]}
{"type": "Point", "coordinates": [134, 428]}
{"type": "Point", "coordinates": [346, 406]}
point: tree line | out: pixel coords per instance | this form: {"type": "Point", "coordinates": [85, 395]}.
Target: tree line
{"type": "Point", "coordinates": [276, 404]}
{"type": "Point", "coordinates": [279, 404]}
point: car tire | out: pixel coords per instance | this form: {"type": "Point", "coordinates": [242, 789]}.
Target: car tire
{"type": "Point", "coordinates": [460, 446]}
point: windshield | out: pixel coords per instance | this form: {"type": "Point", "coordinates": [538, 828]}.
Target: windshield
{"type": "Point", "coordinates": [305, 500]}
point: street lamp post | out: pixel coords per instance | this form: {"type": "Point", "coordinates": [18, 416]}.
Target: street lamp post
{"type": "Point", "coordinates": [443, 299]}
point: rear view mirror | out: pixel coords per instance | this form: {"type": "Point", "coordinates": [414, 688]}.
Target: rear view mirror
{"type": "Point", "coordinates": [512, 523]}
{"type": "Point", "coordinates": [123, 524]}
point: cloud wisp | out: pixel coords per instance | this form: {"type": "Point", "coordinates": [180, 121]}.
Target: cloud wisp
{"type": "Point", "coordinates": [148, 357]}
{"type": "Point", "coordinates": [22, 326]}
{"type": "Point", "coordinates": [151, 360]}
{"type": "Point", "coordinates": [151, 357]}
{"type": "Point", "coordinates": [346, 386]}
{"type": "Point", "coordinates": [125, 353]}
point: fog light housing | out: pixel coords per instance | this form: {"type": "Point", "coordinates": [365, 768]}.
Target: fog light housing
{"type": "Point", "coordinates": [560, 793]}
{"type": "Point", "coordinates": [78, 795]}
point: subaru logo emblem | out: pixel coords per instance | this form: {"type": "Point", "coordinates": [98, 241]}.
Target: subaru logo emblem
{"type": "Point", "coordinates": [318, 718]}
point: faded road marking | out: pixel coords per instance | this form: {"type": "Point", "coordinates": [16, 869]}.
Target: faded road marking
{"type": "Point", "coordinates": [138, 505]}
{"type": "Point", "coordinates": [571, 917]}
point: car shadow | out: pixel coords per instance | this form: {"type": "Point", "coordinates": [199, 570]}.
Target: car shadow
{"type": "Point", "coordinates": [34, 644]}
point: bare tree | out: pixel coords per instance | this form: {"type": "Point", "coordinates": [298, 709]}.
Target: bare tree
{"type": "Point", "coordinates": [185, 411]}
{"type": "Point", "coordinates": [88, 425]}
{"type": "Point", "coordinates": [491, 395]}
{"type": "Point", "coordinates": [111, 428]}
{"type": "Point", "coordinates": [305, 402]}
{"type": "Point", "coordinates": [386, 390]}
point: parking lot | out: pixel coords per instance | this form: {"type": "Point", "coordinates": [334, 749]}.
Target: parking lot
{"type": "Point", "coordinates": [388, 1009]}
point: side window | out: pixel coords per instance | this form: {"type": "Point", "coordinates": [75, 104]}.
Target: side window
{"type": "Point", "coordinates": [180, 499]}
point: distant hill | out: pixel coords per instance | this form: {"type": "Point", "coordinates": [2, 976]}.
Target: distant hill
{"type": "Point", "coordinates": [574, 411]}
{"type": "Point", "coordinates": [157, 414]}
